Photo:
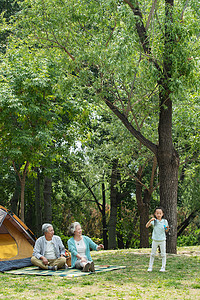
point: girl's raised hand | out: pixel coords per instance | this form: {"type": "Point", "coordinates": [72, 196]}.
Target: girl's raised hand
{"type": "Point", "coordinates": [149, 222]}
{"type": "Point", "coordinates": [166, 228]}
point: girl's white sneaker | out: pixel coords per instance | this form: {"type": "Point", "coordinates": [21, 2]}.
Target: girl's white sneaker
{"type": "Point", "coordinates": [149, 270]}
{"type": "Point", "coordinates": [162, 270]}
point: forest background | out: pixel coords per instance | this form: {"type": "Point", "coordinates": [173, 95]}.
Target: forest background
{"type": "Point", "coordinates": [99, 104]}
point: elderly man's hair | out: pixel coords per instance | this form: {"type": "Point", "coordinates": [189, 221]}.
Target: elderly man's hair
{"type": "Point", "coordinates": [72, 227]}
{"type": "Point", "coordinates": [45, 227]}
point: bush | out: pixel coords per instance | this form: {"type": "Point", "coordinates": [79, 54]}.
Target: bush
{"type": "Point", "coordinates": [189, 240]}
{"type": "Point", "coordinates": [65, 239]}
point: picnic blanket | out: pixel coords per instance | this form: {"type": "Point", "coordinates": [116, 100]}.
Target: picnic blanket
{"type": "Point", "coordinates": [62, 272]}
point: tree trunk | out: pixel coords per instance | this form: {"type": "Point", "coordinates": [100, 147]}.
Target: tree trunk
{"type": "Point", "coordinates": [105, 229]}
{"type": "Point", "coordinates": [168, 174]}
{"type": "Point", "coordinates": [113, 207]}
{"type": "Point", "coordinates": [22, 206]}
{"type": "Point", "coordinates": [131, 233]}
{"type": "Point", "coordinates": [167, 157]}
{"type": "Point", "coordinates": [38, 216]}
{"type": "Point", "coordinates": [120, 242]}
{"type": "Point", "coordinates": [143, 207]}
{"type": "Point", "coordinates": [168, 160]}
{"type": "Point", "coordinates": [15, 198]}
{"type": "Point", "coordinates": [14, 201]}
{"type": "Point", "coordinates": [47, 200]}
{"type": "Point", "coordinates": [22, 180]}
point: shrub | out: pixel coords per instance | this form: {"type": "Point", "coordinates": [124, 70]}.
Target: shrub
{"type": "Point", "coordinates": [189, 240]}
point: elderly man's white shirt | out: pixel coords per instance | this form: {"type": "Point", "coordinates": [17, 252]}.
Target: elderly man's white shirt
{"type": "Point", "coordinates": [50, 250]}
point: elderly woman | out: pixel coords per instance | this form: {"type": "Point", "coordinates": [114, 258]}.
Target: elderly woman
{"type": "Point", "coordinates": [79, 246]}
{"type": "Point", "coordinates": [49, 251]}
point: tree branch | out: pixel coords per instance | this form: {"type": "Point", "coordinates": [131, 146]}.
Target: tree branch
{"type": "Point", "coordinates": [18, 173]}
{"type": "Point", "coordinates": [88, 187]}
{"type": "Point", "coordinates": [111, 34]}
{"type": "Point", "coordinates": [140, 182]}
{"type": "Point", "coordinates": [186, 222]}
{"type": "Point", "coordinates": [132, 130]}
{"type": "Point", "coordinates": [140, 26]}
{"type": "Point", "coordinates": [153, 172]}
{"type": "Point", "coordinates": [143, 37]}
{"type": "Point", "coordinates": [132, 87]}
{"type": "Point", "coordinates": [151, 14]}
{"type": "Point", "coordinates": [58, 45]}
{"type": "Point", "coordinates": [185, 6]}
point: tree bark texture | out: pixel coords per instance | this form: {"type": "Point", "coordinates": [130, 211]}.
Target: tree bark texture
{"type": "Point", "coordinates": [131, 233]}
{"type": "Point", "coordinates": [168, 162]}
{"type": "Point", "coordinates": [104, 223]}
{"type": "Point", "coordinates": [38, 209]}
{"type": "Point", "coordinates": [113, 207]}
{"type": "Point", "coordinates": [22, 180]}
{"type": "Point", "coordinates": [120, 242]}
{"type": "Point", "coordinates": [15, 198]}
{"type": "Point", "coordinates": [143, 207]}
{"type": "Point", "coordinates": [22, 206]}
{"type": "Point", "coordinates": [47, 200]}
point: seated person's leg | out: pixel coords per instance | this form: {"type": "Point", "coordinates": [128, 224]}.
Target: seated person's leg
{"type": "Point", "coordinates": [85, 266]}
{"type": "Point", "coordinates": [38, 263]}
{"type": "Point", "coordinates": [59, 262]}
{"type": "Point", "coordinates": [79, 265]}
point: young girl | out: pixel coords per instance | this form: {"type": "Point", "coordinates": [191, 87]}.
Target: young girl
{"type": "Point", "coordinates": [160, 227]}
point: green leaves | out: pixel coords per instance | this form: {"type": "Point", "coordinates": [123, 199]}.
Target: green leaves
{"type": "Point", "coordinates": [25, 102]}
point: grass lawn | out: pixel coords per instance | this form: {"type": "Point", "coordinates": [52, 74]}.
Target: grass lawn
{"type": "Point", "coordinates": [180, 281]}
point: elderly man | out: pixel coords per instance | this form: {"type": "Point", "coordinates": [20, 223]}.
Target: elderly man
{"type": "Point", "coordinates": [49, 251]}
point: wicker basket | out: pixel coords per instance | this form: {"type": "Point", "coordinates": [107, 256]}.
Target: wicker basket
{"type": "Point", "coordinates": [68, 257]}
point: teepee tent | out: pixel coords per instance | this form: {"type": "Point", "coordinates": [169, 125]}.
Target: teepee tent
{"type": "Point", "coordinates": [16, 241]}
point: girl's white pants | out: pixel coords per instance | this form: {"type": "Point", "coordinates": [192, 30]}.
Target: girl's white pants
{"type": "Point", "coordinates": [155, 245]}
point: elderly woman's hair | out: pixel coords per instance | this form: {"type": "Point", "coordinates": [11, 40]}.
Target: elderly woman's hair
{"type": "Point", "coordinates": [45, 227]}
{"type": "Point", "coordinates": [72, 227]}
